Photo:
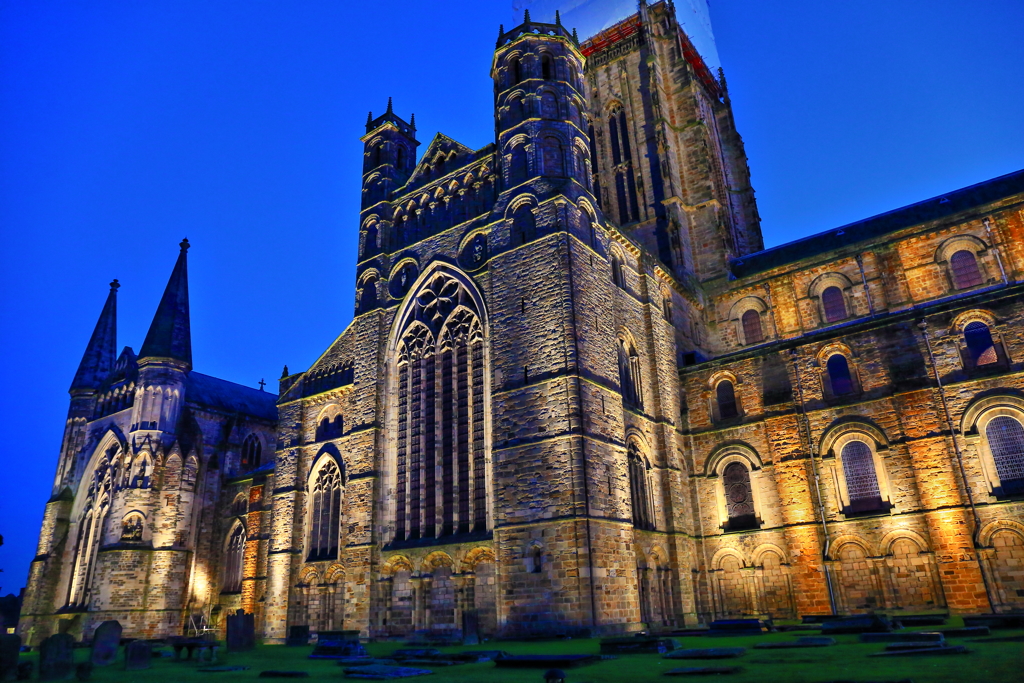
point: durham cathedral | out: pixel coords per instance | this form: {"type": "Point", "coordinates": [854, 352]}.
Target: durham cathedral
{"type": "Point", "coordinates": [578, 395]}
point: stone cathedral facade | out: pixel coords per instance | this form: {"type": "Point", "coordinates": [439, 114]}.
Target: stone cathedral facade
{"type": "Point", "coordinates": [577, 395]}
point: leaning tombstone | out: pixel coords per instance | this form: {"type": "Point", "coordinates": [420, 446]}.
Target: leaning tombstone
{"type": "Point", "coordinates": [10, 646]}
{"type": "Point", "coordinates": [105, 642]}
{"type": "Point", "coordinates": [56, 657]}
{"type": "Point", "coordinates": [138, 656]}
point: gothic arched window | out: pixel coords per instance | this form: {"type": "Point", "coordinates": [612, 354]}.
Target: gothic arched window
{"type": "Point", "coordinates": [725, 394]}
{"type": "Point", "coordinates": [368, 294]}
{"type": "Point", "coordinates": [1006, 441]}
{"type": "Point", "coordinates": [964, 266]}
{"type": "Point", "coordinates": [643, 515]}
{"type": "Point", "coordinates": [97, 490]}
{"type": "Point", "coordinates": [624, 131]}
{"type": "Point", "coordinates": [861, 478]}
{"type": "Point", "coordinates": [252, 453]}
{"type": "Point", "coordinates": [189, 474]}
{"type": "Point", "coordinates": [554, 160]}
{"type": "Point", "coordinates": [980, 347]}
{"type": "Point", "coordinates": [739, 497]}
{"type": "Point", "coordinates": [618, 275]}
{"type": "Point", "coordinates": [438, 471]}
{"type": "Point", "coordinates": [613, 136]}
{"type": "Point", "coordinates": [325, 513]}
{"type": "Point", "coordinates": [834, 304]}
{"type": "Point", "coordinates": [752, 333]}
{"type": "Point", "coordinates": [839, 377]}
{"type": "Point", "coordinates": [234, 564]}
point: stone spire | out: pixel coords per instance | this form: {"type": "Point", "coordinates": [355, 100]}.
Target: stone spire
{"type": "Point", "coordinates": [101, 353]}
{"type": "Point", "coordinates": [169, 334]}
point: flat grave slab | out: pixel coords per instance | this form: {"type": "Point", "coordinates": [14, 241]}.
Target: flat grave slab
{"type": "Point", "coordinates": [637, 645]}
{"type": "Point", "coordinates": [809, 641]}
{"type": "Point", "coordinates": [911, 620]}
{"type": "Point", "coordinates": [707, 653]}
{"type": "Point", "coordinates": [273, 673]}
{"type": "Point", "coordinates": [1000, 639]}
{"type": "Point", "coordinates": [736, 627]}
{"type": "Point", "coordinates": [865, 623]}
{"type": "Point", "coordinates": [221, 669]}
{"type": "Point", "coordinates": [966, 632]}
{"type": "Point", "coordinates": [703, 670]}
{"type": "Point", "coordinates": [910, 645]}
{"type": "Point", "coordinates": [430, 662]}
{"type": "Point", "coordinates": [379, 672]}
{"type": "Point", "coordinates": [545, 661]}
{"type": "Point", "coordinates": [995, 620]}
{"type": "Point", "coordinates": [473, 656]}
{"type": "Point", "coordinates": [415, 653]}
{"type": "Point", "coordinates": [898, 637]}
{"type": "Point", "coordinates": [366, 661]}
{"type": "Point", "coordinates": [925, 651]}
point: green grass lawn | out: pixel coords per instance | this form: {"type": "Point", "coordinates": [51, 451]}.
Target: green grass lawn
{"type": "Point", "coordinates": [987, 662]}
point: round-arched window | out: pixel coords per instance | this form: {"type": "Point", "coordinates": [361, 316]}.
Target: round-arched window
{"type": "Point", "coordinates": [834, 304]}
{"type": "Point", "coordinates": [964, 265]}
{"type": "Point", "coordinates": [739, 496]}
{"type": "Point", "coordinates": [1006, 441]}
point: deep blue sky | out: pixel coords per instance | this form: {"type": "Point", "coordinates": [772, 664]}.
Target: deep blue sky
{"type": "Point", "coordinates": [125, 126]}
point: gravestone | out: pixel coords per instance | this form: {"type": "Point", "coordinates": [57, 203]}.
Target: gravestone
{"type": "Point", "coordinates": [864, 623]}
{"type": "Point", "coordinates": [138, 655]}
{"type": "Point", "coordinates": [241, 631]}
{"type": "Point", "coordinates": [25, 671]}
{"type": "Point", "coordinates": [221, 669]}
{"type": "Point", "coordinates": [272, 673]}
{"type": "Point", "coordinates": [56, 657]}
{"type": "Point", "coordinates": [966, 632]}
{"type": "Point", "coordinates": [83, 671]}
{"type": "Point", "coordinates": [415, 653]}
{"type": "Point", "coordinates": [924, 651]}
{"type": "Point", "coordinates": [643, 645]}
{"type": "Point", "coordinates": [298, 636]}
{"type": "Point", "coordinates": [544, 661]}
{"type": "Point", "coordinates": [703, 670]}
{"type": "Point", "coordinates": [911, 620]}
{"type": "Point", "coordinates": [337, 645]}
{"type": "Point", "coordinates": [470, 627]}
{"type": "Point", "coordinates": [807, 641]}
{"type": "Point", "coordinates": [105, 642]}
{"type": "Point", "coordinates": [378, 672]}
{"type": "Point", "coordinates": [707, 653]}
{"type": "Point", "coordinates": [735, 627]}
{"type": "Point", "coordinates": [904, 637]}
{"type": "Point", "coordinates": [1012, 620]}
{"type": "Point", "coordinates": [10, 646]}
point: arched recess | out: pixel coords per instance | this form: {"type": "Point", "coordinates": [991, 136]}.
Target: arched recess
{"type": "Point", "coordinates": [731, 586]}
{"type": "Point", "coordinates": [859, 584]}
{"type": "Point", "coordinates": [656, 587]}
{"type": "Point", "coordinates": [774, 585]}
{"type": "Point", "coordinates": [437, 469]}
{"type": "Point", "coordinates": [913, 573]}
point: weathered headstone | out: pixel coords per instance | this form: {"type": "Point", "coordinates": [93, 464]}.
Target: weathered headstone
{"type": "Point", "coordinates": [105, 642]}
{"type": "Point", "coordinates": [241, 631]}
{"type": "Point", "coordinates": [707, 653]}
{"type": "Point", "coordinates": [83, 671]}
{"type": "Point", "coordinates": [298, 636]}
{"type": "Point", "coordinates": [470, 627]}
{"type": "Point", "coordinates": [966, 632]}
{"type": "Point", "coordinates": [10, 646]}
{"type": "Point", "coordinates": [544, 661]}
{"type": "Point", "coordinates": [25, 671]}
{"type": "Point", "coordinates": [415, 653]}
{"type": "Point", "coordinates": [138, 655]}
{"type": "Point", "coordinates": [808, 641]}
{"type": "Point", "coordinates": [56, 657]}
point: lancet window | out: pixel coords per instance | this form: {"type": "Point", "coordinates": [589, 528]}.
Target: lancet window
{"type": "Point", "coordinates": [252, 453]}
{"type": "Point", "coordinates": [92, 526]}
{"type": "Point", "coordinates": [440, 464]}
{"type": "Point", "coordinates": [233, 560]}
{"type": "Point", "coordinates": [643, 514]}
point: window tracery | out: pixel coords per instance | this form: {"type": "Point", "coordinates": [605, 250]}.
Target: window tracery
{"type": "Point", "coordinates": [1005, 437]}
{"type": "Point", "coordinates": [440, 465]}
{"type": "Point", "coordinates": [252, 453]}
{"type": "Point", "coordinates": [862, 487]}
{"type": "Point", "coordinates": [234, 560]}
{"type": "Point", "coordinates": [325, 513]}
{"type": "Point", "coordinates": [639, 489]}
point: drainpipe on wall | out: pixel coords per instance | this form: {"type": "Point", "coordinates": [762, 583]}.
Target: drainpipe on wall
{"type": "Point", "coordinates": [923, 325]}
{"type": "Point", "coordinates": [995, 249]}
{"type": "Point", "coordinates": [703, 544]}
{"type": "Point", "coordinates": [817, 486]}
{"type": "Point", "coordinates": [864, 280]}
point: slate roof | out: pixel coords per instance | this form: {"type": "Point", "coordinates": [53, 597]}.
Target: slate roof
{"type": "Point", "coordinates": [170, 333]}
{"type": "Point", "coordinates": [219, 394]}
{"type": "Point", "coordinates": [932, 209]}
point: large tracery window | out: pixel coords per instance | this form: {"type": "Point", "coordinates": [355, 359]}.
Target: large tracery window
{"type": "Point", "coordinates": [440, 475]}
{"type": "Point", "coordinates": [92, 526]}
{"type": "Point", "coordinates": [1006, 441]}
{"type": "Point", "coordinates": [325, 513]}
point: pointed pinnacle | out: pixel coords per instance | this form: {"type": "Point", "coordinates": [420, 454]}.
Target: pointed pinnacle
{"type": "Point", "coordinates": [369, 118]}
{"type": "Point", "coordinates": [184, 245]}
{"type": "Point", "coordinates": [501, 30]}
{"type": "Point", "coordinates": [284, 373]}
{"type": "Point", "coordinates": [526, 17]}
{"type": "Point", "coordinates": [558, 18]}
{"type": "Point", "coordinates": [390, 110]}
{"type": "Point", "coordinates": [575, 38]}
{"type": "Point", "coordinates": [115, 285]}
{"type": "Point", "coordinates": [412, 121]}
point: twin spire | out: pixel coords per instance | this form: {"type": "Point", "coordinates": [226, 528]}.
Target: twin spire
{"type": "Point", "coordinates": [169, 336]}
